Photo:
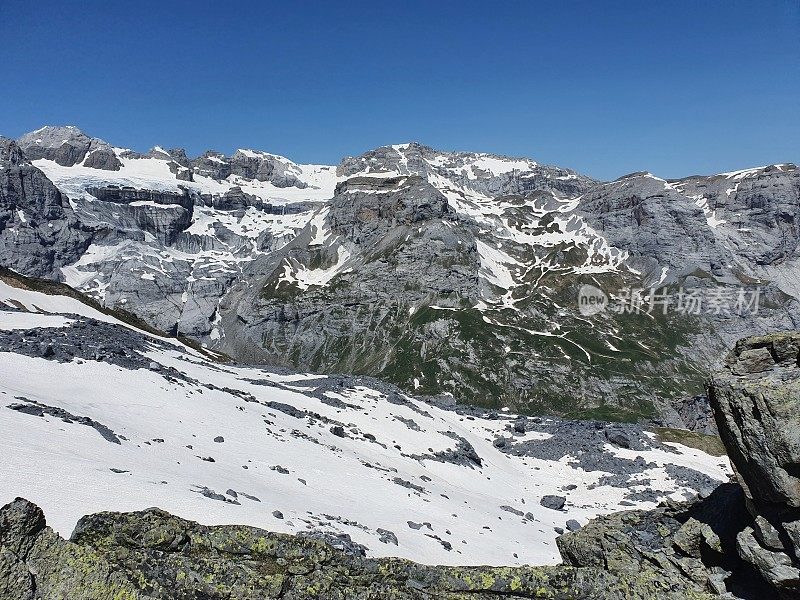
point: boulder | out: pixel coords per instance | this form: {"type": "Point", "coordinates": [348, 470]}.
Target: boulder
{"type": "Point", "coordinates": [756, 401]}
{"type": "Point", "coordinates": [553, 502]}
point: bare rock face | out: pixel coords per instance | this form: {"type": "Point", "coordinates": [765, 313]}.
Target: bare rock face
{"type": "Point", "coordinates": [337, 296]}
{"type": "Point", "coordinates": [212, 164]}
{"type": "Point", "coordinates": [756, 400]}
{"type": "Point", "coordinates": [757, 403]}
{"type": "Point", "coordinates": [644, 216]}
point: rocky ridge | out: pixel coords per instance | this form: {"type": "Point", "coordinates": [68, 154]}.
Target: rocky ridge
{"type": "Point", "coordinates": [151, 554]}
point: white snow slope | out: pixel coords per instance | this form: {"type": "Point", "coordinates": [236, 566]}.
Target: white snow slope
{"type": "Point", "coordinates": [380, 475]}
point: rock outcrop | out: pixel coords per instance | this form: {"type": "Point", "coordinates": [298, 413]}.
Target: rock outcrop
{"type": "Point", "coordinates": [679, 542]}
{"type": "Point", "coordinates": [153, 555]}
{"type": "Point", "coordinates": [756, 400]}
{"type": "Point", "coordinates": [262, 166]}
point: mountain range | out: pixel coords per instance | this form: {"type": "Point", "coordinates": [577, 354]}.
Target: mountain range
{"type": "Point", "coordinates": [448, 274]}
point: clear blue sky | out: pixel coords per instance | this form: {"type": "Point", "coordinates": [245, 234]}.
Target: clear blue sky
{"type": "Point", "coordinates": [603, 87]}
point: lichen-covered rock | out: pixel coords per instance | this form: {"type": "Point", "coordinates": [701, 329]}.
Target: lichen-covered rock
{"type": "Point", "coordinates": [152, 555]}
{"type": "Point", "coordinates": [683, 544]}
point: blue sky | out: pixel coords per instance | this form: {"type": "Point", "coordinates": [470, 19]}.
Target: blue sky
{"type": "Point", "coordinates": [606, 88]}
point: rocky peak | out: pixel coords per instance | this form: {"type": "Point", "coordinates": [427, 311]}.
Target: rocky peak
{"type": "Point", "coordinates": [53, 136]}
{"type": "Point", "coordinates": [262, 166]}
{"type": "Point", "coordinates": [756, 211]}
{"type": "Point", "coordinates": [38, 228]}
{"type": "Point", "coordinates": [656, 224]}
{"type": "Point", "coordinates": [402, 159]}
{"type": "Point", "coordinates": [212, 164]}
{"type": "Point", "coordinates": [69, 146]}
{"type": "Point", "coordinates": [179, 156]}
{"type": "Point", "coordinates": [159, 152]}
{"type": "Point", "coordinates": [366, 207]}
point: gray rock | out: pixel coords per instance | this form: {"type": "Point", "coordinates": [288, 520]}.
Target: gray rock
{"type": "Point", "coordinates": [265, 167]}
{"type": "Point", "coordinates": [553, 502]}
{"type": "Point", "coordinates": [37, 409]}
{"type": "Point", "coordinates": [39, 231]}
{"type": "Point", "coordinates": [776, 567]}
{"type": "Point", "coordinates": [121, 555]}
{"type": "Point", "coordinates": [386, 536]}
{"type": "Point", "coordinates": [618, 438]}
{"type": "Point", "coordinates": [759, 418]}
{"type": "Point", "coordinates": [573, 525]}
{"type": "Point", "coordinates": [407, 484]}
{"type": "Point", "coordinates": [512, 510]}
{"type": "Point", "coordinates": [754, 397]}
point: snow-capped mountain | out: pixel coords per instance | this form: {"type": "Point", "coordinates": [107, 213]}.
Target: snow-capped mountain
{"type": "Point", "coordinates": [98, 414]}
{"type": "Point", "coordinates": [442, 272]}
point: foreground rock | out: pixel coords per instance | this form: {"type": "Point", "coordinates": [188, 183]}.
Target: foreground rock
{"type": "Point", "coordinates": [152, 554]}
{"type": "Point", "coordinates": [756, 399]}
